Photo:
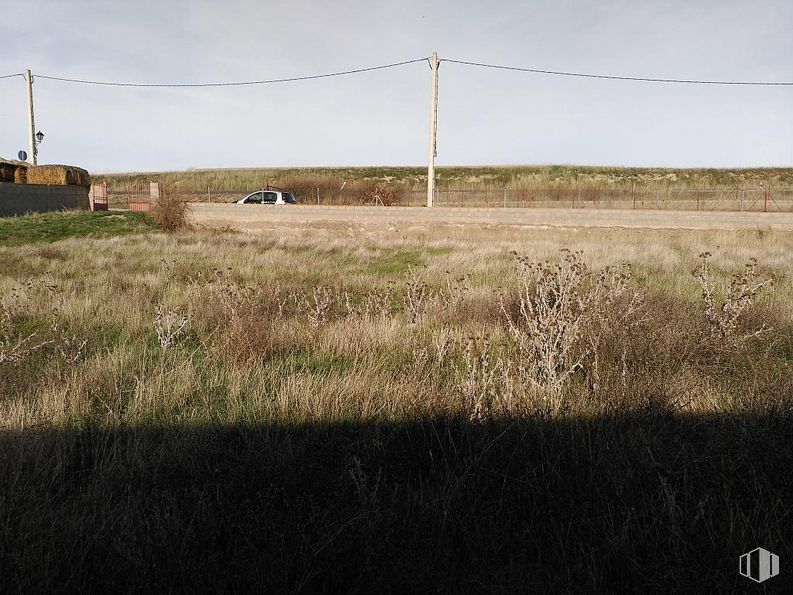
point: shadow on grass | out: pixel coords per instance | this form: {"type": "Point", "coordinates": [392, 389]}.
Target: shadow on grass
{"type": "Point", "coordinates": [606, 504]}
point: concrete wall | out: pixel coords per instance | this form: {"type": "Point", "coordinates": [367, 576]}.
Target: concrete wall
{"type": "Point", "coordinates": [18, 199]}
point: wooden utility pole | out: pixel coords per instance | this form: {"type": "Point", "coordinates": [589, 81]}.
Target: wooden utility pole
{"type": "Point", "coordinates": [32, 131]}
{"type": "Point", "coordinates": [433, 151]}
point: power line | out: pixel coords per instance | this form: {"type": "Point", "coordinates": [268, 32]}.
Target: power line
{"type": "Point", "coordinates": [622, 78]}
{"type": "Point", "coordinates": [8, 76]}
{"type": "Point", "coordinates": [234, 83]}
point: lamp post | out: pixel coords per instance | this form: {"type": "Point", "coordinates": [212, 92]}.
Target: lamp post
{"type": "Point", "coordinates": [37, 138]}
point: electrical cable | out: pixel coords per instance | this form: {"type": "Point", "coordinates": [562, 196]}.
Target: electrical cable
{"type": "Point", "coordinates": [622, 78]}
{"type": "Point", "coordinates": [234, 83]}
{"type": "Point", "coordinates": [8, 76]}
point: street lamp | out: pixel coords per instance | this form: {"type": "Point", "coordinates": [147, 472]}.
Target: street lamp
{"type": "Point", "coordinates": [38, 137]}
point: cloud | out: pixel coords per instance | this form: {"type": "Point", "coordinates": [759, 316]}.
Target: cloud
{"type": "Point", "coordinates": [381, 117]}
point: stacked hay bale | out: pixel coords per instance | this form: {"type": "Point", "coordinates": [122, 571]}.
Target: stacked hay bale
{"type": "Point", "coordinates": [58, 175]}
{"type": "Point", "coordinates": [21, 174]}
{"type": "Point", "coordinates": [7, 171]}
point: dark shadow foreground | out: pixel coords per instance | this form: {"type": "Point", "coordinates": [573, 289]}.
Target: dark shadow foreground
{"type": "Point", "coordinates": [652, 502]}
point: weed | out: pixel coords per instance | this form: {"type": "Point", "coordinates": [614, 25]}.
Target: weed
{"type": "Point", "coordinates": [561, 313]}
{"type": "Point", "coordinates": [170, 211]}
{"type": "Point", "coordinates": [723, 318]}
{"type": "Point", "coordinates": [318, 307]}
{"type": "Point", "coordinates": [170, 324]}
{"type": "Point", "coordinates": [417, 296]}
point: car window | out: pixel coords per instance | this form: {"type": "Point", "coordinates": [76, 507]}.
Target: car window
{"type": "Point", "coordinates": [254, 199]}
{"type": "Point", "coordinates": [270, 198]}
{"type": "Point", "coordinates": [290, 198]}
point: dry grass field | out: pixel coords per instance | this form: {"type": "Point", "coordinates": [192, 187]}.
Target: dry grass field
{"type": "Point", "coordinates": [494, 186]}
{"type": "Point", "coordinates": [256, 217]}
{"type": "Point", "coordinates": [411, 407]}
{"type": "Point", "coordinates": [513, 177]}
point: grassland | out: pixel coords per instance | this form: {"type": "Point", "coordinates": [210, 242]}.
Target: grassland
{"type": "Point", "coordinates": [52, 227]}
{"type": "Point", "coordinates": [522, 186]}
{"type": "Point", "coordinates": [360, 408]}
{"type": "Point", "coordinates": [403, 178]}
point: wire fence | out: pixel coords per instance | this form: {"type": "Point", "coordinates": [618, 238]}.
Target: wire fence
{"type": "Point", "coordinates": [668, 198]}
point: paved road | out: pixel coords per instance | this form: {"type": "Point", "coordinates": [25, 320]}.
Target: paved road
{"type": "Point", "coordinates": [258, 216]}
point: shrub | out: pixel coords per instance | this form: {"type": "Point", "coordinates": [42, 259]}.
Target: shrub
{"type": "Point", "coordinates": [170, 212]}
{"type": "Point", "coordinates": [562, 312]}
{"type": "Point", "coordinates": [723, 317]}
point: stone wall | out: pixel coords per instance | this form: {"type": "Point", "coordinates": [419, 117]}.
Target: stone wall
{"type": "Point", "coordinates": [18, 199]}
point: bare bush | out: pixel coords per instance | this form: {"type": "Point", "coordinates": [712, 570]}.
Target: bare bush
{"type": "Point", "coordinates": [417, 296]}
{"type": "Point", "coordinates": [15, 349]}
{"type": "Point", "coordinates": [723, 316]}
{"type": "Point", "coordinates": [377, 304]}
{"type": "Point", "coordinates": [561, 313]}
{"type": "Point", "coordinates": [481, 378]}
{"type": "Point", "coordinates": [70, 347]}
{"type": "Point", "coordinates": [318, 307]}
{"type": "Point", "coordinates": [170, 325]}
{"type": "Point", "coordinates": [379, 195]}
{"type": "Point", "coordinates": [170, 211]}
{"type": "Point", "coordinates": [453, 295]}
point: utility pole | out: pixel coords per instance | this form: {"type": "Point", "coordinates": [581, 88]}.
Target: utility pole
{"type": "Point", "coordinates": [32, 131]}
{"type": "Point", "coordinates": [433, 152]}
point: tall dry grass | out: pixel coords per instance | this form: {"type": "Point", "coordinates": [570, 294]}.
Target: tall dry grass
{"type": "Point", "coordinates": [402, 406]}
{"type": "Point", "coordinates": [170, 211]}
{"type": "Point", "coordinates": [494, 186]}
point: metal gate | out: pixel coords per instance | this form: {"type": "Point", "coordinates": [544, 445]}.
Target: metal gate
{"type": "Point", "coordinates": [139, 196]}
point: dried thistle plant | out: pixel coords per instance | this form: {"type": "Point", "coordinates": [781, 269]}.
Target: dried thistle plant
{"type": "Point", "coordinates": [319, 306]}
{"type": "Point", "coordinates": [170, 325]}
{"type": "Point", "coordinates": [377, 304]}
{"type": "Point", "coordinates": [611, 284]}
{"type": "Point", "coordinates": [723, 316]}
{"type": "Point", "coordinates": [14, 350]}
{"type": "Point", "coordinates": [417, 296]}
{"type": "Point", "coordinates": [442, 342]}
{"type": "Point", "coordinates": [70, 347]}
{"type": "Point", "coordinates": [479, 385]}
{"type": "Point", "coordinates": [455, 291]}
{"type": "Point", "coordinates": [561, 314]}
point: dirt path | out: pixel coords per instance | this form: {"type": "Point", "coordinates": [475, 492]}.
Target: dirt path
{"type": "Point", "coordinates": [256, 217]}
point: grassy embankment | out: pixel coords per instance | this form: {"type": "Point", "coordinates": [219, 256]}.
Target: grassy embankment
{"type": "Point", "coordinates": [337, 408]}
{"type": "Point", "coordinates": [525, 185]}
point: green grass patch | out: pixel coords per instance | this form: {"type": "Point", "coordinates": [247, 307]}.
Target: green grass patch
{"type": "Point", "coordinates": [395, 263]}
{"type": "Point", "coordinates": [51, 227]}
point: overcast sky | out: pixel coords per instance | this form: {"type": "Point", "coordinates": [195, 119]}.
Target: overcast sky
{"type": "Point", "coordinates": [381, 118]}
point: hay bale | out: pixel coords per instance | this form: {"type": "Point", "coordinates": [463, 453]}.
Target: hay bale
{"type": "Point", "coordinates": [21, 175]}
{"type": "Point", "coordinates": [7, 172]}
{"type": "Point", "coordinates": [58, 175]}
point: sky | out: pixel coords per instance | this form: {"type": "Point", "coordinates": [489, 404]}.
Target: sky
{"type": "Point", "coordinates": [485, 117]}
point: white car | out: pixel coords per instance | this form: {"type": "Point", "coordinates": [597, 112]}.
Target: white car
{"type": "Point", "coordinates": [268, 197]}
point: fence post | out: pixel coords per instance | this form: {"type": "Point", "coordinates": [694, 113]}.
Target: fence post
{"type": "Point", "coordinates": [209, 194]}
{"type": "Point", "coordinates": [633, 194]}
{"type": "Point", "coordinates": [657, 201]}
{"type": "Point", "coordinates": [317, 196]}
{"type": "Point", "coordinates": [504, 204]}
